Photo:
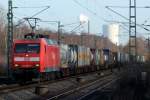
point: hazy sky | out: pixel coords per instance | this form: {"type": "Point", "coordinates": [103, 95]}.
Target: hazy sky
{"type": "Point", "coordinates": [68, 11]}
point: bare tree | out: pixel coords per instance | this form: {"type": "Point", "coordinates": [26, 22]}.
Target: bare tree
{"type": "Point", "coordinates": [3, 36]}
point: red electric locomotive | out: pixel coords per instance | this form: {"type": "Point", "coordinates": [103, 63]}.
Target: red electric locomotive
{"type": "Point", "coordinates": [35, 57]}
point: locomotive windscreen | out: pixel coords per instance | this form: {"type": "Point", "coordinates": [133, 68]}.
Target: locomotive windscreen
{"type": "Point", "coordinates": [27, 48]}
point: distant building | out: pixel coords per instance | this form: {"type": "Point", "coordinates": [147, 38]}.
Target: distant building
{"type": "Point", "coordinates": [111, 31]}
{"type": "Point", "coordinates": [105, 31]}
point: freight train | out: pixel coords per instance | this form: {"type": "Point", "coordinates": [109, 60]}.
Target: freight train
{"type": "Point", "coordinates": [40, 57]}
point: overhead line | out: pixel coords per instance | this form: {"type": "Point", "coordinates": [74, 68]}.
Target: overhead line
{"type": "Point", "coordinates": [40, 11]}
{"type": "Point", "coordinates": [84, 7]}
{"type": "Point", "coordinates": [125, 17]}
{"type": "Point", "coordinates": [94, 13]}
{"type": "Point", "coordinates": [34, 7]}
{"type": "Point", "coordinates": [128, 6]}
{"type": "Point", "coordinates": [47, 7]}
{"type": "Point", "coordinates": [75, 28]}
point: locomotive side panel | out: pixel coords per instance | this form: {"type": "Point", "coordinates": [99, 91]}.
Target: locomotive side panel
{"type": "Point", "coordinates": [52, 58]}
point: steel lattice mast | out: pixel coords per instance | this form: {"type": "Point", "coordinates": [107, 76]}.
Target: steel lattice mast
{"type": "Point", "coordinates": [9, 34]}
{"type": "Point", "coordinates": [132, 31]}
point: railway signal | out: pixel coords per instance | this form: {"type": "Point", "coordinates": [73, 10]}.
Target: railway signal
{"type": "Point", "coordinates": [148, 47]}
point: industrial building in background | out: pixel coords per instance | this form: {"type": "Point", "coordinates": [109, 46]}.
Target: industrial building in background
{"type": "Point", "coordinates": [111, 31]}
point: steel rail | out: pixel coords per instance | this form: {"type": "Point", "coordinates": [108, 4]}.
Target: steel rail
{"type": "Point", "coordinates": [16, 87]}
{"type": "Point", "coordinates": [71, 91]}
{"type": "Point", "coordinates": [100, 88]}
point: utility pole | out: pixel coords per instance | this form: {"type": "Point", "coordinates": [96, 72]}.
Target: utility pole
{"type": "Point", "coordinates": [148, 46]}
{"type": "Point", "coordinates": [132, 31]}
{"type": "Point", "coordinates": [81, 42]}
{"type": "Point", "coordinates": [88, 27]}
{"type": "Point", "coordinates": [9, 36]}
{"type": "Point", "coordinates": [95, 41]}
{"type": "Point", "coordinates": [59, 34]}
{"type": "Point", "coordinates": [88, 32]}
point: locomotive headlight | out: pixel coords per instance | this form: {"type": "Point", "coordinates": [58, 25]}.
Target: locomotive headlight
{"type": "Point", "coordinates": [37, 65]}
{"type": "Point", "coordinates": [16, 65]}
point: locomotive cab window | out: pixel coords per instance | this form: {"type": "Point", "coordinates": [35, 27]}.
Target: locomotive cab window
{"type": "Point", "coordinates": [51, 42]}
{"type": "Point", "coordinates": [27, 48]}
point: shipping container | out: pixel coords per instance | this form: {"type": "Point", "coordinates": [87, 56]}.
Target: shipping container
{"type": "Point", "coordinates": [102, 58]}
{"type": "Point", "coordinates": [87, 57]}
{"type": "Point", "coordinates": [64, 55]}
{"type": "Point", "coordinates": [72, 56]}
{"type": "Point", "coordinates": [126, 57]}
{"type": "Point", "coordinates": [98, 57]}
{"type": "Point", "coordinates": [122, 57]}
{"type": "Point", "coordinates": [92, 56]}
{"type": "Point", "coordinates": [118, 57]}
{"type": "Point", "coordinates": [143, 59]}
{"type": "Point", "coordinates": [106, 53]}
{"type": "Point", "coordinates": [140, 59]}
{"type": "Point", "coordinates": [108, 58]}
{"type": "Point", "coordinates": [81, 56]}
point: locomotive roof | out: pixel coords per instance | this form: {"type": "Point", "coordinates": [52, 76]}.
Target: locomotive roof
{"type": "Point", "coordinates": [27, 40]}
{"type": "Point", "coordinates": [48, 41]}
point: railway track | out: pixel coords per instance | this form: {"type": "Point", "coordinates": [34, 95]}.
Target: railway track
{"type": "Point", "coordinates": [17, 87]}
{"type": "Point", "coordinates": [77, 93]}
{"type": "Point", "coordinates": [99, 88]}
{"type": "Point", "coordinates": [66, 88]}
